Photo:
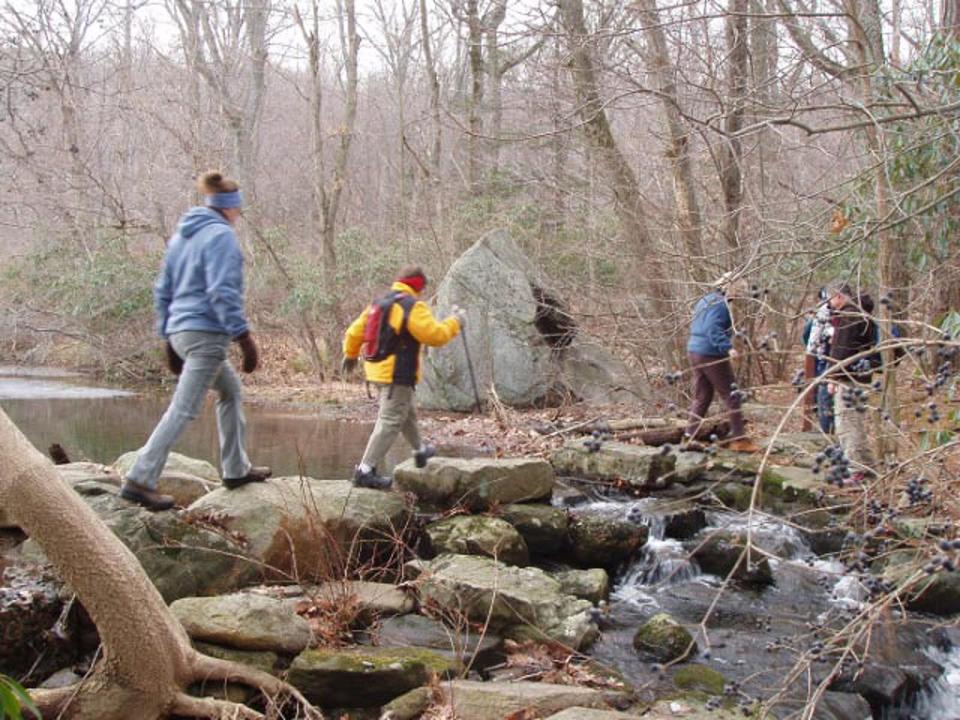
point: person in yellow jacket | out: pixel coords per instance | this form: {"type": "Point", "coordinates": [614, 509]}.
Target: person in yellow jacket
{"type": "Point", "coordinates": [396, 376]}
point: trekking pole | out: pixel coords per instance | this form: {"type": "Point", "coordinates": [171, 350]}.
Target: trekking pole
{"type": "Point", "coordinates": [473, 378]}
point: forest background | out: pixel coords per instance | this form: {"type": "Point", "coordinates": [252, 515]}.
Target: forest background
{"type": "Point", "coordinates": [635, 150]}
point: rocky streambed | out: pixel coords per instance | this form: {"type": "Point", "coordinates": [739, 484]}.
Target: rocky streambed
{"type": "Point", "coordinates": [612, 582]}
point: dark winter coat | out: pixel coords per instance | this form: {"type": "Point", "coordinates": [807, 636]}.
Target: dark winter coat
{"type": "Point", "coordinates": [854, 332]}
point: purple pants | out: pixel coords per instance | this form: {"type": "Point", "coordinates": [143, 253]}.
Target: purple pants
{"type": "Point", "coordinates": [713, 374]}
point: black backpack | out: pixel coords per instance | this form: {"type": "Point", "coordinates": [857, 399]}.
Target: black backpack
{"type": "Point", "coordinates": [380, 340]}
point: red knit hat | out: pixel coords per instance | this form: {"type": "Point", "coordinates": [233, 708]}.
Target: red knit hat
{"type": "Point", "coordinates": [417, 281]}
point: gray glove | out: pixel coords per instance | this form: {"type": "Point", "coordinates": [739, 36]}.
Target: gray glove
{"type": "Point", "coordinates": [461, 315]}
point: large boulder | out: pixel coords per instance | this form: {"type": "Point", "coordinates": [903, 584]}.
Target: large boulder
{"type": "Point", "coordinates": [307, 526]}
{"type": "Point", "coordinates": [246, 621]}
{"type": "Point", "coordinates": [638, 465]}
{"type": "Point", "coordinates": [477, 535]}
{"type": "Point", "coordinates": [476, 483]}
{"type": "Point", "coordinates": [522, 340]}
{"type": "Point", "coordinates": [507, 598]}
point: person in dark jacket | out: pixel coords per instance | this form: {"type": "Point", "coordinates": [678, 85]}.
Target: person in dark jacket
{"type": "Point", "coordinates": [200, 311]}
{"type": "Point", "coordinates": [854, 334]}
{"type": "Point", "coordinates": [710, 350]}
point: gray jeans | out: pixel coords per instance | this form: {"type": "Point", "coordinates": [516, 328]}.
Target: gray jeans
{"type": "Point", "coordinates": [398, 414]}
{"type": "Point", "coordinates": [204, 366]}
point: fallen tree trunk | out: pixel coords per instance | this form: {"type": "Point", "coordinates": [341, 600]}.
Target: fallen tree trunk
{"type": "Point", "coordinates": [146, 661]}
{"type": "Point", "coordinates": [674, 435]}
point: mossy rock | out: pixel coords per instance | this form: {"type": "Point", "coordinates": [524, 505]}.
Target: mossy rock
{"type": "Point", "coordinates": [720, 554]}
{"type": "Point", "coordinates": [663, 639]}
{"type": "Point", "coordinates": [477, 535]}
{"type": "Point", "coordinates": [699, 678]}
{"type": "Point", "coordinates": [543, 527]}
{"type": "Point", "coordinates": [604, 542]}
{"type": "Point", "coordinates": [365, 677]}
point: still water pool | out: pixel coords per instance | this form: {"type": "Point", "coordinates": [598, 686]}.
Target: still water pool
{"type": "Point", "coordinates": [101, 423]}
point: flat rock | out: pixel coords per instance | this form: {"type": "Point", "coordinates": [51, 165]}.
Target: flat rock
{"type": "Point", "coordinates": [246, 621]}
{"type": "Point", "coordinates": [302, 525]}
{"type": "Point", "coordinates": [498, 700]}
{"type": "Point", "coordinates": [364, 677]}
{"type": "Point", "coordinates": [476, 483]}
{"type": "Point", "coordinates": [176, 463]}
{"type": "Point", "coordinates": [637, 465]}
{"type": "Point", "coordinates": [375, 599]}
{"type": "Point", "coordinates": [477, 535]}
{"type": "Point", "coordinates": [581, 713]}
{"type": "Point", "coordinates": [465, 646]}
{"type": "Point", "coordinates": [486, 591]}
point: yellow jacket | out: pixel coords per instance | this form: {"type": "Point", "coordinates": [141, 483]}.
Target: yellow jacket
{"type": "Point", "coordinates": [421, 324]}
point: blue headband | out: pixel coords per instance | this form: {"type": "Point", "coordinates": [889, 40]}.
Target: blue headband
{"type": "Point", "coordinates": [224, 200]}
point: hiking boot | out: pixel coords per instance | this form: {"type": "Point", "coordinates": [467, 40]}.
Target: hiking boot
{"type": "Point", "coordinates": [420, 457]}
{"type": "Point", "coordinates": [255, 474]}
{"type": "Point", "coordinates": [743, 445]}
{"type": "Point", "coordinates": [142, 495]}
{"type": "Point", "coordinates": [371, 480]}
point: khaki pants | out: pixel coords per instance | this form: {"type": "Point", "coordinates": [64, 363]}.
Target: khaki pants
{"type": "Point", "coordinates": [852, 433]}
{"type": "Point", "coordinates": [398, 414]}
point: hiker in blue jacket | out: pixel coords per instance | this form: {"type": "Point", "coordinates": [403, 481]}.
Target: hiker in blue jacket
{"type": "Point", "coordinates": [710, 350]}
{"type": "Point", "coordinates": [200, 311]}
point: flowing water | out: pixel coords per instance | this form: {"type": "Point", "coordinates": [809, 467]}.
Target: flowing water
{"type": "Point", "coordinates": [751, 632]}
{"type": "Point", "coordinates": [101, 423]}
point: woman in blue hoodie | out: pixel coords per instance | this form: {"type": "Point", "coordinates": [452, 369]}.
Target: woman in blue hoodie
{"type": "Point", "coordinates": [710, 349]}
{"type": "Point", "coordinates": [200, 311]}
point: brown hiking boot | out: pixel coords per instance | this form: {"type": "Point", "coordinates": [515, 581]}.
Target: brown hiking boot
{"type": "Point", "coordinates": [255, 474]}
{"type": "Point", "coordinates": [142, 495]}
{"type": "Point", "coordinates": [743, 445]}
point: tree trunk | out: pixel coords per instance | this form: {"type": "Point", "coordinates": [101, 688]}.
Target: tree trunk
{"type": "Point", "coordinates": [688, 217]}
{"type": "Point", "coordinates": [474, 119]}
{"type": "Point", "coordinates": [950, 18]}
{"type": "Point", "coordinates": [623, 182]}
{"type": "Point", "coordinates": [147, 658]}
{"type": "Point", "coordinates": [731, 155]}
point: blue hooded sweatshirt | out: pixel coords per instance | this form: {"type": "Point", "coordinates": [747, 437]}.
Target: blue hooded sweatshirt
{"type": "Point", "coordinates": [201, 284]}
{"type": "Point", "coordinates": [711, 327]}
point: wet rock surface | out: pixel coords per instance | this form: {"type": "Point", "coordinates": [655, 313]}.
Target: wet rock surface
{"type": "Point", "coordinates": [476, 535]}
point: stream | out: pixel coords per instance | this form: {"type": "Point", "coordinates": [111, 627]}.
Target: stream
{"type": "Point", "coordinates": [754, 636]}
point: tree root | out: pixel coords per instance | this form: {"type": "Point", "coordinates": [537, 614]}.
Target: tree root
{"type": "Point", "coordinates": [212, 709]}
{"type": "Point", "coordinates": [204, 667]}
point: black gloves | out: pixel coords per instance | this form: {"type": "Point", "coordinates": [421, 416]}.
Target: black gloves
{"type": "Point", "coordinates": [348, 366]}
{"type": "Point", "coordinates": [174, 361]}
{"type": "Point", "coordinates": [251, 356]}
